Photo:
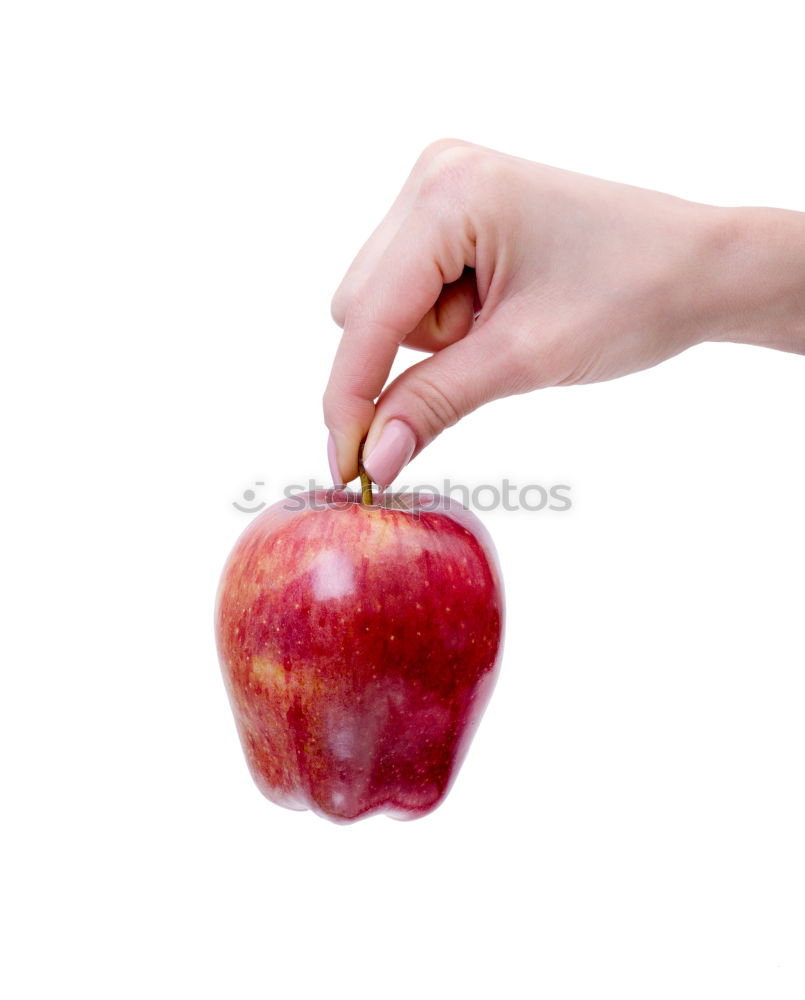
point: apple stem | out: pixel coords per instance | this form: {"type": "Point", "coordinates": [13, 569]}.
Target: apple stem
{"type": "Point", "coordinates": [366, 482]}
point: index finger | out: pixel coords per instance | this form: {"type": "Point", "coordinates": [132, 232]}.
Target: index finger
{"type": "Point", "coordinates": [427, 252]}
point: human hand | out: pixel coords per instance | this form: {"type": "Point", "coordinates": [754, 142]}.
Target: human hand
{"type": "Point", "coordinates": [516, 276]}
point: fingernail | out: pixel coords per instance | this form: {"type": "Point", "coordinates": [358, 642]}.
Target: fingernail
{"type": "Point", "coordinates": [391, 453]}
{"type": "Point", "coordinates": [331, 458]}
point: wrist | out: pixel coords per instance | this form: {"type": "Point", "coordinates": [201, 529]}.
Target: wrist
{"type": "Point", "coordinates": [757, 265]}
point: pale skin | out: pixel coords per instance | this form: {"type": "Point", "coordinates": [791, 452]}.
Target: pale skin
{"type": "Point", "coordinates": [516, 276]}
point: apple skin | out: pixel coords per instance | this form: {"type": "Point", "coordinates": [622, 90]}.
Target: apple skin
{"type": "Point", "coordinates": [359, 646]}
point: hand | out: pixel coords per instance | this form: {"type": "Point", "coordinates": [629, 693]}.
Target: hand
{"type": "Point", "coordinates": [515, 276]}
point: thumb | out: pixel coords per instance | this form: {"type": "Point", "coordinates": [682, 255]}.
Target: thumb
{"type": "Point", "coordinates": [435, 394]}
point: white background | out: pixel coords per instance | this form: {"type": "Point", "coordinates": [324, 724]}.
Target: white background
{"type": "Point", "coordinates": [183, 185]}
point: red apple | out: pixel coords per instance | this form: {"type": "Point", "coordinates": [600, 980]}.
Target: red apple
{"type": "Point", "coordinates": [359, 645]}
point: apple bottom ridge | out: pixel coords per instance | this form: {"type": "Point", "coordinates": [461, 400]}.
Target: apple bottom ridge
{"type": "Point", "coordinates": [375, 779]}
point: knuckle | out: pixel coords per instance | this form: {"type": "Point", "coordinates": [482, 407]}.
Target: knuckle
{"type": "Point", "coordinates": [348, 304]}
{"type": "Point", "coordinates": [355, 309]}
{"type": "Point", "coordinates": [438, 408]}
{"type": "Point", "coordinates": [337, 311]}
{"type": "Point", "coordinates": [434, 149]}
{"type": "Point", "coordinates": [450, 173]}
{"type": "Point", "coordinates": [338, 306]}
{"type": "Point", "coordinates": [345, 407]}
{"type": "Point", "coordinates": [328, 405]}
{"type": "Point", "coordinates": [336, 403]}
